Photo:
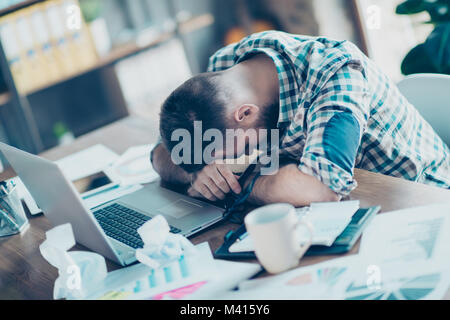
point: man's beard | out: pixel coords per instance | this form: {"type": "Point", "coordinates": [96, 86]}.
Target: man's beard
{"type": "Point", "coordinates": [269, 118]}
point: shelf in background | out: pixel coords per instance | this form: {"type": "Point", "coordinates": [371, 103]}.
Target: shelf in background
{"type": "Point", "coordinates": [195, 23]}
{"type": "Point", "coordinates": [18, 6]}
{"type": "Point", "coordinates": [133, 48]}
{"type": "Point", "coordinates": [114, 56]}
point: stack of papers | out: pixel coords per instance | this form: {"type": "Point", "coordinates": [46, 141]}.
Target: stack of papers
{"type": "Point", "coordinates": [329, 220]}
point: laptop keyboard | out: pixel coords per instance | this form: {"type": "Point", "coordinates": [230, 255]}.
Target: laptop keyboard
{"type": "Point", "coordinates": [121, 223]}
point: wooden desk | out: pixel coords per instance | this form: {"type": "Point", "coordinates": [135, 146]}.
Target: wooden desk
{"type": "Point", "coordinates": [24, 274]}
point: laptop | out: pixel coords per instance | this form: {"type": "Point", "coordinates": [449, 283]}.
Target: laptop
{"type": "Point", "coordinates": [109, 229]}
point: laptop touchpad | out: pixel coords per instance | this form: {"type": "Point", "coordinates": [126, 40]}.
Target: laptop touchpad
{"type": "Point", "coordinates": [179, 208]}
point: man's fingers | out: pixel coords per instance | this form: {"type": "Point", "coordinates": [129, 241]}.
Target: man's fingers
{"type": "Point", "coordinates": [207, 194]}
{"type": "Point", "coordinates": [220, 181]}
{"type": "Point", "coordinates": [230, 178]}
{"type": "Point", "coordinates": [204, 191]}
{"type": "Point", "coordinates": [214, 189]}
{"type": "Point", "coordinates": [194, 193]}
{"type": "Point", "coordinates": [215, 181]}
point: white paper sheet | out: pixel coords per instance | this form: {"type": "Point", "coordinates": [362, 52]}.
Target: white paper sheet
{"type": "Point", "coordinates": [404, 281]}
{"type": "Point", "coordinates": [328, 219]}
{"type": "Point", "coordinates": [325, 280]}
{"type": "Point", "coordinates": [229, 275]}
{"type": "Point", "coordinates": [411, 235]}
{"type": "Point", "coordinates": [404, 255]}
{"type": "Point", "coordinates": [87, 162]}
{"type": "Point", "coordinates": [134, 166]}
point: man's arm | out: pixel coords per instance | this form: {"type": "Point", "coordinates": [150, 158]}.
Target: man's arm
{"type": "Point", "coordinates": [213, 182]}
{"type": "Point", "coordinates": [290, 185]}
{"type": "Point", "coordinates": [335, 122]}
{"type": "Point", "coordinates": [168, 171]}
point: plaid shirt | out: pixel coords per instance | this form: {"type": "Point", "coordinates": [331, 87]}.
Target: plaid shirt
{"type": "Point", "coordinates": [321, 78]}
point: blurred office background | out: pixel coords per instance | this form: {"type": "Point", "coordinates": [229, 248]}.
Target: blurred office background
{"type": "Point", "coordinates": [72, 66]}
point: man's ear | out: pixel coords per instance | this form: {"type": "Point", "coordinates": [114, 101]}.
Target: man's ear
{"type": "Point", "coordinates": [246, 114]}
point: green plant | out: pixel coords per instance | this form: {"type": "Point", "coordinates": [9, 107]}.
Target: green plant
{"type": "Point", "coordinates": [432, 56]}
{"type": "Point", "coordinates": [91, 9]}
{"type": "Point", "coordinates": [59, 129]}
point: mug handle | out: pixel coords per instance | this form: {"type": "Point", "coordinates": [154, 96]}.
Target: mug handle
{"type": "Point", "coordinates": [304, 247]}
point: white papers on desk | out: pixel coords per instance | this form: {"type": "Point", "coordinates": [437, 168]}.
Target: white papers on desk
{"type": "Point", "coordinates": [134, 166]}
{"type": "Point", "coordinates": [329, 219]}
{"type": "Point", "coordinates": [349, 278]}
{"type": "Point", "coordinates": [320, 281]}
{"type": "Point", "coordinates": [404, 255]}
{"type": "Point", "coordinates": [409, 236]}
{"type": "Point", "coordinates": [228, 275]}
{"type": "Point", "coordinates": [87, 162]}
{"type": "Point", "coordinates": [401, 282]}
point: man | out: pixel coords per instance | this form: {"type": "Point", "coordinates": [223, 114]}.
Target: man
{"type": "Point", "coordinates": [334, 109]}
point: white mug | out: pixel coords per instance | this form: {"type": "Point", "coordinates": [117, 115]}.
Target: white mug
{"type": "Point", "coordinates": [275, 233]}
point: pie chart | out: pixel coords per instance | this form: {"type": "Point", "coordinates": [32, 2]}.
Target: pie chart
{"type": "Point", "coordinates": [413, 288]}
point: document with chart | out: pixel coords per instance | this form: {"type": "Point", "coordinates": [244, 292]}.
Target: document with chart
{"type": "Point", "coordinates": [404, 256]}
{"type": "Point", "coordinates": [412, 235]}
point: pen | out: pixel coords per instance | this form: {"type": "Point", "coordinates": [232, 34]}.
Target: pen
{"type": "Point", "coordinates": [243, 236]}
{"type": "Point", "coordinates": [11, 185]}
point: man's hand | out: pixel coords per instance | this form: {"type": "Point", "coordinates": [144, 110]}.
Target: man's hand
{"type": "Point", "coordinates": [213, 182]}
